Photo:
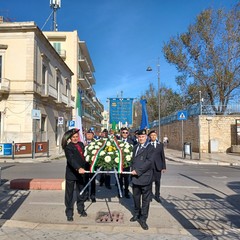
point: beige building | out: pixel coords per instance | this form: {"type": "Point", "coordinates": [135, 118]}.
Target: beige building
{"type": "Point", "coordinates": [35, 86]}
{"type": "Point", "coordinates": [76, 55]}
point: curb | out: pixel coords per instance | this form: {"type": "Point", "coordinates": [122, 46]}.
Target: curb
{"type": "Point", "coordinates": [37, 184]}
{"type": "Point", "coordinates": [199, 162]}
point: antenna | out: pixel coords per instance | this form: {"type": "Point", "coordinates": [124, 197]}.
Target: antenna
{"type": "Point", "coordinates": [55, 5]}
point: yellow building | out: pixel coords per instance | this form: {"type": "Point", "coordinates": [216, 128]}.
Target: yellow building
{"type": "Point", "coordinates": [76, 55]}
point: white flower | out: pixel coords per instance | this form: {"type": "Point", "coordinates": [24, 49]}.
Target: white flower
{"type": "Point", "coordinates": [92, 158]}
{"type": "Point", "coordinates": [97, 147]}
{"type": "Point", "coordinates": [128, 158]}
{"type": "Point", "coordinates": [107, 159]}
{"type": "Point", "coordinates": [102, 153]}
{"type": "Point", "coordinates": [108, 143]}
{"type": "Point", "coordinates": [92, 143]}
{"type": "Point", "coordinates": [85, 153]}
{"type": "Point", "coordinates": [126, 150]}
{"type": "Point", "coordinates": [116, 159]}
{"type": "Point", "coordinates": [110, 153]}
{"type": "Point", "coordinates": [94, 151]}
{"type": "Point", "coordinates": [87, 158]}
{"type": "Point", "coordinates": [90, 147]}
{"type": "Point", "coordinates": [131, 154]}
{"type": "Point", "coordinates": [121, 145]}
{"type": "Point", "coordinates": [99, 143]}
{"type": "Point", "coordinates": [127, 145]}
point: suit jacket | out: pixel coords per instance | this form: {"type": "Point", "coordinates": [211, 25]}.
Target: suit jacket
{"type": "Point", "coordinates": [159, 157]}
{"type": "Point", "coordinates": [143, 165]}
{"type": "Point", "coordinates": [74, 162]}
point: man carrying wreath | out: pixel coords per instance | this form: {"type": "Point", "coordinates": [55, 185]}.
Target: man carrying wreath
{"type": "Point", "coordinates": [142, 176]}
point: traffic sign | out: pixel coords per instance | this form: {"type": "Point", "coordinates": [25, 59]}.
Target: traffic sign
{"type": "Point", "coordinates": [71, 123]}
{"type": "Point", "coordinates": [182, 115]}
{"type": "Point", "coordinates": [60, 120]}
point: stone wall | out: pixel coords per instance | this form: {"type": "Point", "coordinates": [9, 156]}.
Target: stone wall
{"type": "Point", "coordinates": [217, 133]}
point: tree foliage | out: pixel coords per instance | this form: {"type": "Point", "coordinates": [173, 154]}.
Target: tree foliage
{"type": "Point", "coordinates": [170, 102]}
{"type": "Point", "coordinates": [208, 53]}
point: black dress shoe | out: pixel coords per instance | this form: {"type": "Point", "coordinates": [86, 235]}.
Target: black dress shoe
{"type": "Point", "coordinates": [83, 214]}
{"type": "Point", "coordinates": [70, 219]}
{"type": "Point", "coordinates": [158, 199]}
{"type": "Point", "coordinates": [143, 224]}
{"type": "Point", "coordinates": [134, 219]}
{"type": "Point", "coordinates": [127, 196]}
{"type": "Point", "coordinates": [93, 200]}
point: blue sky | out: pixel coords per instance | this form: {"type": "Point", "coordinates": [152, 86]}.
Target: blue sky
{"type": "Point", "coordinates": [123, 37]}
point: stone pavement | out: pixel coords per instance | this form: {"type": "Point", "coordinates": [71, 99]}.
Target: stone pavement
{"type": "Point", "coordinates": [40, 214]}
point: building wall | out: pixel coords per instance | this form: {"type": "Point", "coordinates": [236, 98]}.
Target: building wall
{"type": "Point", "coordinates": [219, 130]}
{"type": "Point", "coordinates": [27, 50]}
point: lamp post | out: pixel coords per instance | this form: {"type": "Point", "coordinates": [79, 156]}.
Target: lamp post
{"type": "Point", "coordinates": [159, 100]}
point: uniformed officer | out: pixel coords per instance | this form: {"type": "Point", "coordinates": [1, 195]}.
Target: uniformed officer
{"type": "Point", "coordinates": [159, 163]}
{"type": "Point", "coordinates": [142, 175]}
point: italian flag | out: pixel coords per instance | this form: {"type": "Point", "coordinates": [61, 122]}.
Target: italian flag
{"type": "Point", "coordinates": [78, 116]}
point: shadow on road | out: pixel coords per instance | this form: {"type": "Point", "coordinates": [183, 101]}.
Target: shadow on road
{"type": "Point", "coordinates": [213, 216]}
{"type": "Point", "coordinates": [10, 202]}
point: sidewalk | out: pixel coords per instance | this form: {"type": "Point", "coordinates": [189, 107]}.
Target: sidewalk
{"type": "Point", "coordinates": [222, 159]}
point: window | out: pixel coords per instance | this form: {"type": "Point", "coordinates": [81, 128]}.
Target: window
{"type": "Point", "coordinates": [44, 72]}
{"type": "Point", "coordinates": [57, 46]}
{"type": "Point", "coordinates": [43, 123]}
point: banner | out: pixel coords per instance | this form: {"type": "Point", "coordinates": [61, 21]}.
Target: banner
{"type": "Point", "coordinates": [121, 110]}
{"type": "Point", "coordinates": [144, 122]}
{"type": "Point", "coordinates": [78, 116]}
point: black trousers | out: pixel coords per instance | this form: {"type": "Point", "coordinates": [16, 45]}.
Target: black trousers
{"type": "Point", "coordinates": [124, 181]}
{"type": "Point", "coordinates": [93, 186]}
{"type": "Point", "coordinates": [142, 197]}
{"type": "Point", "coordinates": [69, 196]}
{"type": "Point", "coordinates": [157, 181]}
{"type": "Point", "coordinates": [105, 178]}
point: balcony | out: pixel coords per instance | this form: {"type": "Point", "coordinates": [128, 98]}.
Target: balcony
{"type": "Point", "coordinates": [4, 85]}
{"type": "Point", "coordinates": [84, 64]}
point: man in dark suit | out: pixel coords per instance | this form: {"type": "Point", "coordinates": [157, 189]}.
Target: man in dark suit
{"type": "Point", "coordinates": [75, 169]}
{"type": "Point", "coordinates": [142, 175]}
{"type": "Point", "coordinates": [159, 163]}
{"type": "Point", "coordinates": [124, 178]}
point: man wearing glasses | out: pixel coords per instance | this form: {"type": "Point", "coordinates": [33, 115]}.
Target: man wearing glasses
{"type": "Point", "coordinates": [124, 178]}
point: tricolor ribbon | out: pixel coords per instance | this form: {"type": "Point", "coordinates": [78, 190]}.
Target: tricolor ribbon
{"type": "Point", "coordinates": [120, 163]}
{"type": "Point", "coordinates": [95, 157]}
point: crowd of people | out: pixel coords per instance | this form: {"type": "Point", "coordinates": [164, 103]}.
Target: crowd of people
{"type": "Point", "coordinates": [147, 165]}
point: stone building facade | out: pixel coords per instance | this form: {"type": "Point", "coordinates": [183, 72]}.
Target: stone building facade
{"type": "Point", "coordinates": [33, 77]}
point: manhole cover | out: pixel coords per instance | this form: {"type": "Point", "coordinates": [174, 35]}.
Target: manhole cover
{"type": "Point", "coordinates": [107, 217]}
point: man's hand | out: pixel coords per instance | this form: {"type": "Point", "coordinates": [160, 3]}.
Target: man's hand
{"type": "Point", "coordinates": [134, 172]}
{"type": "Point", "coordinates": [81, 170]}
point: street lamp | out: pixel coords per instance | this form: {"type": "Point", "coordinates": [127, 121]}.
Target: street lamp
{"type": "Point", "coordinates": [149, 69]}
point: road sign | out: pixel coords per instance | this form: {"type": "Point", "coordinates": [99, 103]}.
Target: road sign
{"type": "Point", "coordinates": [71, 123]}
{"type": "Point", "coordinates": [182, 115]}
{"type": "Point", "coordinates": [60, 120]}
{"type": "Point", "coordinates": [36, 114]}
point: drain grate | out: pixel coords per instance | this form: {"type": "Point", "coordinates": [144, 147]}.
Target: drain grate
{"type": "Point", "coordinates": [106, 217]}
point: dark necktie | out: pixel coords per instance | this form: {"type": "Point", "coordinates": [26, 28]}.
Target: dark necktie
{"type": "Point", "coordinates": [138, 149]}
